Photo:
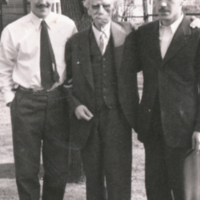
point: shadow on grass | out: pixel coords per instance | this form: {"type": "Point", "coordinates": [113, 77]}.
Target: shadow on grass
{"type": "Point", "coordinates": [7, 171]}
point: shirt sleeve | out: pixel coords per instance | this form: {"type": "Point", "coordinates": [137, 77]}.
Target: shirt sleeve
{"type": "Point", "coordinates": [7, 62]}
{"type": "Point", "coordinates": [74, 30]}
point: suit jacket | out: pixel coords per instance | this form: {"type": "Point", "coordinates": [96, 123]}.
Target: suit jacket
{"type": "Point", "coordinates": [175, 79]}
{"type": "Point", "coordinates": [79, 72]}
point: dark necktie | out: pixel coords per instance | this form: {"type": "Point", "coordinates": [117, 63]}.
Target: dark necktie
{"type": "Point", "coordinates": [48, 69]}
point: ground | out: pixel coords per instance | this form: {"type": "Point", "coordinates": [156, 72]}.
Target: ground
{"type": "Point", "coordinates": [8, 190]}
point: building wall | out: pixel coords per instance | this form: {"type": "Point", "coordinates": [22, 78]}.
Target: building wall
{"type": "Point", "coordinates": [12, 11]}
{"type": "Point", "coordinates": [15, 10]}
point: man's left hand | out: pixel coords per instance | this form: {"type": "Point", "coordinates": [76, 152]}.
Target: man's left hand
{"type": "Point", "coordinates": [195, 22]}
{"type": "Point", "coordinates": [196, 140]}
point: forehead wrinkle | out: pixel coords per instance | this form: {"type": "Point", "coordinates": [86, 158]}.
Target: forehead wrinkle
{"type": "Point", "coordinates": [93, 2]}
{"type": "Point", "coordinates": [38, 1]}
{"type": "Point", "coordinates": [114, 3]}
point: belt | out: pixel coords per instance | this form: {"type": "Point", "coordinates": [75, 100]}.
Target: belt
{"type": "Point", "coordinates": [33, 90]}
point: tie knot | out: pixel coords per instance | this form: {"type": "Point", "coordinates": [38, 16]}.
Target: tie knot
{"type": "Point", "coordinates": [43, 24]}
{"type": "Point", "coordinates": [103, 35]}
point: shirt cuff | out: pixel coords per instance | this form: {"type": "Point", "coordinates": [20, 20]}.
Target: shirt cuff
{"type": "Point", "coordinates": [9, 96]}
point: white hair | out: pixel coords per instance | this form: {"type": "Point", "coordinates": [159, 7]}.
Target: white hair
{"type": "Point", "coordinates": [116, 3]}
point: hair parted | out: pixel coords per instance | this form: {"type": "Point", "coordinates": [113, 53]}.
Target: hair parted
{"type": "Point", "coordinates": [116, 3]}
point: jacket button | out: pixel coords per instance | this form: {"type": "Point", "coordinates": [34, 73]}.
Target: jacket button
{"type": "Point", "coordinates": [149, 110]}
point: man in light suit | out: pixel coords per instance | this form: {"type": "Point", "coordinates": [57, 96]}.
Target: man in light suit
{"type": "Point", "coordinates": [168, 53]}
{"type": "Point", "coordinates": [100, 121]}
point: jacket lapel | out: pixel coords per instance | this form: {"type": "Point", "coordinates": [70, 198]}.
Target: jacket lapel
{"type": "Point", "coordinates": [154, 44]}
{"type": "Point", "coordinates": [179, 40]}
{"type": "Point", "coordinates": [84, 55]}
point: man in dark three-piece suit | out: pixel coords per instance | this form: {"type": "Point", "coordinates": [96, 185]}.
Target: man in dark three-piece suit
{"type": "Point", "coordinates": [168, 53]}
{"type": "Point", "coordinates": [100, 120]}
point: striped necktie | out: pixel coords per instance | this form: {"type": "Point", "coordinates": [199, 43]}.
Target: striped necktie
{"type": "Point", "coordinates": [102, 42]}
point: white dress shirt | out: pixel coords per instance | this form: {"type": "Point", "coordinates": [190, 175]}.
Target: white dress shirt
{"type": "Point", "coordinates": [166, 34]}
{"type": "Point", "coordinates": [106, 34]}
{"type": "Point", "coordinates": [20, 51]}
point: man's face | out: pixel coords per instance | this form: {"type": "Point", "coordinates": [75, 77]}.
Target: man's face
{"type": "Point", "coordinates": [41, 8]}
{"type": "Point", "coordinates": [169, 10]}
{"type": "Point", "coordinates": [100, 11]}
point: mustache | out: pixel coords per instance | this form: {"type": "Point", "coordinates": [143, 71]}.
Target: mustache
{"type": "Point", "coordinates": [40, 5]}
{"type": "Point", "coordinates": [163, 10]}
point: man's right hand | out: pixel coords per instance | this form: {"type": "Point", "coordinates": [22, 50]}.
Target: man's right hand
{"type": "Point", "coordinates": [82, 112]}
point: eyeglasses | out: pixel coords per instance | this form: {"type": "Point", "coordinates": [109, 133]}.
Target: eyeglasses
{"type": "Point", "coordinates": [105, 6]}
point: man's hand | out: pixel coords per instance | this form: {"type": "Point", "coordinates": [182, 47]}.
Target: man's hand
{"type": "Point", "coordinates": [195, 22]}
{"type": "Point", "coordinates": [196, 140]}
{"type": "Point", "coordinates": [82, 112]}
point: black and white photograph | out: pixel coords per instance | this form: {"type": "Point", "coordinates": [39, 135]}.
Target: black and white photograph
{"type": "Point", "coordinates": [99, 99]}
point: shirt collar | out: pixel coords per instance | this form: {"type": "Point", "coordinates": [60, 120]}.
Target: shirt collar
{"type": "Point", "coordinates": [105, 30]}
{"type": "Point", "coordinates": [37, 21]}
{"type": "Point", "coordinates": [174, 26]}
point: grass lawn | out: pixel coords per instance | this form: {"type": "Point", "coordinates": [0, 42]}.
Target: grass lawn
{"type": "Point", "coordinates": [8, 190]}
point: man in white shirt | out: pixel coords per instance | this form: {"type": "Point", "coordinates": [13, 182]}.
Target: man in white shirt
{"type": "Point", "coordinates": [32, 64]}
{"type": "Point", "coordinates": [101, 119]}
{"type": "Point", "coordinates": [168, 53]}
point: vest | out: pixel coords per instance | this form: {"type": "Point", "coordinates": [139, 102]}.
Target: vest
{"type": "Point", "coordinates": [104, 75]}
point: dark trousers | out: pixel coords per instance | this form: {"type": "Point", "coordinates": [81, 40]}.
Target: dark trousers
{"type": "Point", "coordinates": [39, 120]}
{"type": "Point", "coordinates": [107, 157]}
{"type": "Point", "coordinates": [163, 165]}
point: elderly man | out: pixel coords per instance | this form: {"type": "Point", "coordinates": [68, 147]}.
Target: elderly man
{"type": "Point", "coordinates": [168, 53]}
{"type": "Point", "coordinates": [32, 57]}
{"type": "Point", "coordinates": [100, 120]}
